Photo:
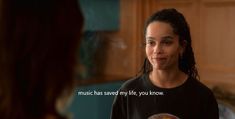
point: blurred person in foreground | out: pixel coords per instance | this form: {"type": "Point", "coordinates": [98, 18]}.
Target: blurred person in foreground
{"type": "Point", "coordinates": [38, 45]}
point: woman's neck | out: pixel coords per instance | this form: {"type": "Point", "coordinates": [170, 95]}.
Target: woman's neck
{"type": "Point", "coordinates": [167, 78]}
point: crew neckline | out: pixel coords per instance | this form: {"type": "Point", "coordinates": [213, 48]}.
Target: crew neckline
{"type": "Point", "coordinates": [151, 85]}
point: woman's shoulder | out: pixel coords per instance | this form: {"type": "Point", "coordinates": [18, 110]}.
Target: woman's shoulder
{"type": "Point", "coordinates": [132, 83]}
{"type": "Point", "coordinates": [201, 87]}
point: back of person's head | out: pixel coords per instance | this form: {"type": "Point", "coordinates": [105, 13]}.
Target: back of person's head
{"type": "Point", "coordinates": [181, 28]}
{"type": "Point", "coordinates": [39, 41]}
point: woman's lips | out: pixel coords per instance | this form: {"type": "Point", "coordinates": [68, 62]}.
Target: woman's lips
{"type": "Point", "coordinates": [160, 59]}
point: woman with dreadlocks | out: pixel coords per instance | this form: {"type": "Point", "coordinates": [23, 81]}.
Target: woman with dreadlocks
{"type": "Point", "coordinates": [168, 86]}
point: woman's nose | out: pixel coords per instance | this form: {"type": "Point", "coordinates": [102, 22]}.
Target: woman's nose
{"type": "Point", "coordinates": [158, 48]}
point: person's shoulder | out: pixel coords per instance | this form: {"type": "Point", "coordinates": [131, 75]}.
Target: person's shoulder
{"type": "Point", "coordinates": [132, 83]}
{"type": "Point", "coordinates": [202, 88]}
{"type": "Point", "coordinates": [206, 97]}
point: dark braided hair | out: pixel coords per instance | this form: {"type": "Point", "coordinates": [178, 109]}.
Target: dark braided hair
{"type": "Point", "coordinates": [181, 28]}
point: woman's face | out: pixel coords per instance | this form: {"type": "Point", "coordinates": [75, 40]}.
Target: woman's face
{"type": "Point", "coordinates": [162, 46]}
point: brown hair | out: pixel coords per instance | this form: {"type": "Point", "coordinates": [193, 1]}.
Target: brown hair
{"type": "Point", "coordinates": [38, 45]}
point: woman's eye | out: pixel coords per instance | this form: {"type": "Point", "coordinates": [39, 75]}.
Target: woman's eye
{"type": "Point", "coordinates": [150, 43]}
{"type": "Point", "coordinates": [167, 42]}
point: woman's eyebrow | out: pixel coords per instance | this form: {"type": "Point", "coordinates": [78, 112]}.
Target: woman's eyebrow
{"type": "Point", "coordinates": [168, 37]}
{"type": "Point", "coordinates": [150, 38]}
